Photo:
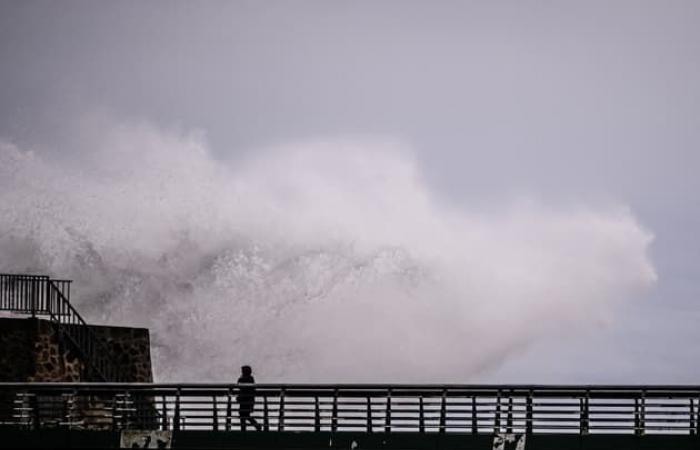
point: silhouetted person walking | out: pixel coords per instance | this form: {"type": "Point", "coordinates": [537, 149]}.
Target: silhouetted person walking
{"type": "Point", "coordinates": [246, 398]}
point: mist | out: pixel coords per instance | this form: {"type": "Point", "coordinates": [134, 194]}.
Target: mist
{"type": "Point", "coordinates": [317, 260]}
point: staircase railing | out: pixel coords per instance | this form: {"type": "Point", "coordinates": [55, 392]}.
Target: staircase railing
{"type": "Point", "coordinates": [39, 295]}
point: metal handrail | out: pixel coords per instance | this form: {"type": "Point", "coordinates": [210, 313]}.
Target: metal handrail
{"type": "Point", "coordinates": [24, 294]}
{"type": "Point", "coordinates": [475, 409]}
{"type": "Point", "coordinates": [40, 295]}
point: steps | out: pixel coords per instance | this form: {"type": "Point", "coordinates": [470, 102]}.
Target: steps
{"type": "Point", "coordinates": [40, 295]}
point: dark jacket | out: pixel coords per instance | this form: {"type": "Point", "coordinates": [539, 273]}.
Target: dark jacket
{"type": "Point", "coordinates": [246, 392]}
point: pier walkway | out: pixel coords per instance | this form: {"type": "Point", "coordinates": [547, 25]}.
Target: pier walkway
{"type": "Point", "coordinates": [355, 416]}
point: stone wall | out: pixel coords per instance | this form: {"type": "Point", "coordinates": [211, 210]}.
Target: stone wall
{"type": "Point", "coordinates": [16, 350]}
{"type": "Point", "coordinates": [130, 349]}
{"type": "Point", "coordinates": [30, 350]}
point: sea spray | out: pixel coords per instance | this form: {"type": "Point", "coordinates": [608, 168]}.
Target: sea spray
{"type": "Point", "coordinates": [326, 260]}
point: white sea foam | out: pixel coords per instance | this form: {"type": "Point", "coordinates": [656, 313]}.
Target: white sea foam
{"type": "Point", "coordinates": [324, 260]}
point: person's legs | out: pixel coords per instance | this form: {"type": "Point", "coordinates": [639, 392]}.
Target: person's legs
{"type": "Point", "coordinates": [254, 423]}
{"type": "Point", "coordinates": [244, 414]}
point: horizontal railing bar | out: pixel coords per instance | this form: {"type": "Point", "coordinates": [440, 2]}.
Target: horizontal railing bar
{"type": "Point", "coordinates": [331, 388]}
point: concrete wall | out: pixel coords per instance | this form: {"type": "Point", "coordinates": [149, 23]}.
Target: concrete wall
{"type": "Point", "coordinates": [30, 350]}
{"type": "Point", "coordinates": [16, 438]}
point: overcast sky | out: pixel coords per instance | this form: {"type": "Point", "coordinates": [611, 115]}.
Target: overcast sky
{"type": "Point", "coordinates": [587, 102]}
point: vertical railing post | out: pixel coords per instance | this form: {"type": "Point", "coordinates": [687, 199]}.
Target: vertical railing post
{"type": "Point", "coordinates": [215, 415]}
{"type": "Point", "coordinates": [637, 416]}
{"type": "Point", "coordinates": [124, 410]}
{"type": "Point", "coordinates": [475, 423]}
{"type": "Point", "coordinates": [528, 413]}
{"type": "Point", "coordinates": [642, 413]}
{"type": "Point", "coordinates": [421, 417]}
{"type": "Point", "coordinates": [47, 292]}
{"type": "Point", "coordinates": [497, 417]}
{"type": "Point", "coordinates": [334, 412]}
{"type": "Point", "coordinates": [43, 301]}
{"type": "Point", "coordinates": [30, 291]}
{"type": "Point", "coordinates": [137, 414]}
{"type": "Point", "coordinates": [443, 411]}
{"type": "Point", "coordinates": [164, 414]}
{"type": "Point", "coordinates": [229, 397]}
{"type": "Point", "coordinates": [266, 414]}
{"type": "Point", "coordinates": [36, 414]}
{"type": "Point", "coordinates": [387, 414]}
{"type": "Point", "coordinates": [585, 417]}
{"type": "Point", "coordinates": [509, 418]}
{"type": "Point", "coordinates": [280, 418]}
{"type": "Point", "coordinates": [39, 294]}
{"type": "Point", "coordinates": [115, 416]}
{"type": "Point", "coordinates": [132, 410]}
{"type": "Point", "coordinates": [692, 417]}
{"type": "Point", "coordinates": [697, 419]}
{"type": "Point", "coordinates": [369, 414]}
{"type": "Point", "coordinates": [176, 419]}
{"type": "Point", "coordinates": [317, 415]}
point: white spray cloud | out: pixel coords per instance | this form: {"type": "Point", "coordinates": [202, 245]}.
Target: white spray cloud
{"type": "Point", "coordinates": [325, 260]}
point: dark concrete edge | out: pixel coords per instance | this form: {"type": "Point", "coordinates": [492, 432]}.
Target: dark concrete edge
{"type": "Point", "coordinates": [196, 439]}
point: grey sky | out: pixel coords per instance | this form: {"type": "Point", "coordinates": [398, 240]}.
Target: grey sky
{"type": "Point", "coordinates": [584, 101]}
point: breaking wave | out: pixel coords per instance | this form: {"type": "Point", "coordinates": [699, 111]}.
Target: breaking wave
{"type": "Point", "coordinates": [319, 261]}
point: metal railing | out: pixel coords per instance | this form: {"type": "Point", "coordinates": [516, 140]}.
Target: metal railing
{"type": "Point", "coordinates": [32, 294]}
{"type": "Point", "coordinates": [636, 410]}
{"type": "Point", "coordinates": [39, 295]}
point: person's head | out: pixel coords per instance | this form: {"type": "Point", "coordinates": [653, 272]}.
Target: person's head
{"type": "Point", "coordinates": [246, 370]}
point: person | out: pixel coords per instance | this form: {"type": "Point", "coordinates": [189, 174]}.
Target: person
{"type": "Point", "coordinates": [246, 398]}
